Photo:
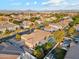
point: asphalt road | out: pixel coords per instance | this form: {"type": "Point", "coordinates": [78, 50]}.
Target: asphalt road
{"type": "Point", "coordinates": [73, 52]}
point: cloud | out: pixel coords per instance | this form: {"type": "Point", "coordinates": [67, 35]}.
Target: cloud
{"type": "Point", "coordinates": [55, 2]}
{"type": "Point", "coordinates": [73, 4]}
{"type": "Point", "coordinates": [35, 2]}
{"type": "Point", "coordinates": [60, 3]}
{"type": "Point", "coordinates": [27, 3]}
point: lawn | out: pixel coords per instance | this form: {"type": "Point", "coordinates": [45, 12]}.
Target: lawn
{"type": "Point", "coordinates": [60, 53]}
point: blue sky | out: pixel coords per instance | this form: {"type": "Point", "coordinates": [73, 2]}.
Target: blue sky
{"type": "Point", "coordinates": [39, 4]}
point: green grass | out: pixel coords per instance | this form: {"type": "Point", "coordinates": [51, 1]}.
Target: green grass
{"type": "Point", "coordinates": [76, 21]}
{"type": "Point", "coordinates": [60, 53]}
{"type": "Point", "coordinates": [17, 22]}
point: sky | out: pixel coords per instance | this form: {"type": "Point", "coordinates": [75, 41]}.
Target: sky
{"type": "Point", "coordinates": [39, 5]}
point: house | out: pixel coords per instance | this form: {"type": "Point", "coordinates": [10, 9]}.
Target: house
{"type": "Point", "coordinates": [39, 21]}
{"type": "Point", "coordinates": [76, 27]}
{"type": "Point", "coordinates": [36, 38]}
{"type": "Point", "coordinates": [53, 27]}
{"type": "Point", "coordinates": [26, 24]}
{"type": "Point", "coordinates": [68, 18]}
{"type": "Point", "coordinates": [7, 25]}
{"type": "Point", "coordinates": [2, 30]}
{"type": "Point", "coordinates": [65, 21]}
{"type": "Point", "coordinates": [53, 18]}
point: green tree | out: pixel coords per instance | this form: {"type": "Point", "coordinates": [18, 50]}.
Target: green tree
{"type": "Point", "coordinates": [71, 24]}
{"type": "Point", "coordinates": [46, 23]}
{"type": "Point", "coordinates": [17, 22]}
{"type": "Point", "coordinates": [75, 20]}
{"type": "Point", "coordinates": [59, 35]}
{"type": "Point", "coordinates": [10, 20]}
{"type": "Point", "coordinates": [71, 31]}
{"type": "Point", "coordinates": [33, 19]}
{"type": "Point", "coordinates": [47, 46]}
{"type": "Point", "coordinates": [18, 37]}
{"type": "Point", "coordinates": [55, 21]}
{"type": "Point", "coordinates": [26, 19]}
{"type": "Point", "coordinates": [40, 26]}
{"type": "Point", "coordinates": [38, 52]}
{"type": "Point", "coordinates": [7, 32]}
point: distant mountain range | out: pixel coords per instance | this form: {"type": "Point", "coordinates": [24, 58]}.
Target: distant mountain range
{"type": "Point", "coordinates": [25, 11]}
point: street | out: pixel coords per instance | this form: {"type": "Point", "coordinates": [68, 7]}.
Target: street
{"type": "Point", "coordinates": [73, 52]}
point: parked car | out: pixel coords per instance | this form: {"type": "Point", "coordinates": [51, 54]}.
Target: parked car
{"type": "Point", "coordinates": [66, 44]}
{"type": "Point", "coordinates": [76, 39]}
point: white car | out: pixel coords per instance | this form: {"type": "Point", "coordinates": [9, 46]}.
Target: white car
{"type": "Point", "coordinates": [26, 56]}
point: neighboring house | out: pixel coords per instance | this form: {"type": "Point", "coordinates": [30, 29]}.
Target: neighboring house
{"type": "Point", "coordinates": [39, 21]}
{"type": "Point", "coordinates": [65, 21]}
{"type": "Point", "coordinates": [2, 30]}
{"type": "Point", "coordinates": [50, 19]}
{"type": "Point", "coordinates": [53, 18]}
{"type": "Point", "coordinates": [68, 18]}
{"type": "Point", "coordinates": [12, 27]}
{"type": "Point", "coordinates": [16, 19]}
{"type": "Point", "coordinates": [36, 38]}
{"type": "Point", "coordinates": [26, 24]}
{"type": "Point", "coordinates": [52, 27]}
{"type": "Point", "coordinates": [7, 25]}
{"type": "Point", "coordinates": [76, 27]}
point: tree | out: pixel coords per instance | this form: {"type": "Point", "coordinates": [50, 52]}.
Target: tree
{"type": "Point", "coordinates": [47, 46]}
{"type": "Point", "coordinates": [71, 31]}
{"type": "Point", "coordinates": [49, 20]}
{"type": "Point", "coordinates": [33, 19]}
{"type": "Point", "coordinates": [1, 32]}
{"type": "Point", "coordinates": [18, 37]}
{"type": "Point", "coordinates": [17, 22]}
{"type": "Point", "coordinates": [38, 52]}
{"type": "Point", "coordinates": [46, 23]}
{"type": "Point", "coordinates": [59, 15]}
{"type": "Point", "coordinates": [71, 24]}
{"type": "Point", "coordinates": [40, 26]}
{"type": "Point", "coordinates": [7, 31]}
{"type": "Point", "coordinates": [75, 20]}
{"type": "Point", "coordinates": [59, 35]}
{"type": "Point", "coordinates": [26, 19]}
{"type": "Point", "coordinates": [10, 20]}
{"type": "Point", "coordinates": [55, 21]}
